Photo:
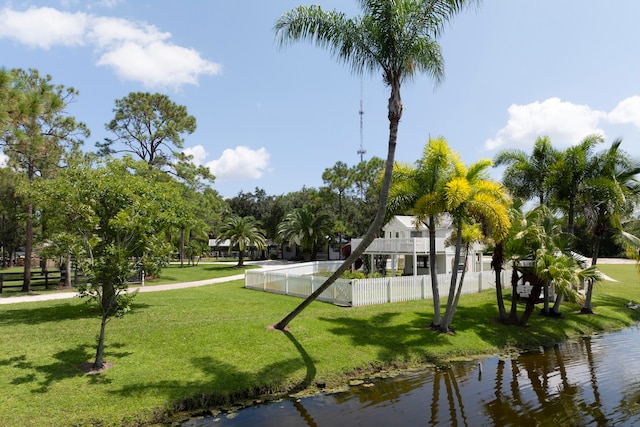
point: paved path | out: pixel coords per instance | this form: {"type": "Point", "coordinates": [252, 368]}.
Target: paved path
{"type": "Point", "coordinates": [267, 265]}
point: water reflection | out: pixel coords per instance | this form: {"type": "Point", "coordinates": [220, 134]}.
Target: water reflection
{"type": "Point", "coordinates": [595, 381]}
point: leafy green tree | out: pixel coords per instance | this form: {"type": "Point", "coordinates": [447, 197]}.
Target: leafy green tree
{"type": "Point", "coordinates": [36, 136]}
{"type": "Point", "coordinates": [151, 128]}
{"type": "Point", "coordinates": [338, 178]}
{"type": "Point", "coordinates": [307, 227]}
{"type": "Point", "coordinates": [244, 233]}
{"type": "Point", "coordinates": [397, 39]}
{"type": "Point", "coordinates": [525, 175]}
{"type": "Point", "coordinates": [419, 191]}
{"type": "Point", "coordinates": [115, 218]}
{"type": "Point", "coordinates": [11, 212]}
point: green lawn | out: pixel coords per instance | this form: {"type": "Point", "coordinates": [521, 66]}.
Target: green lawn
{"type": "Point", "coordinates": [210, 345]}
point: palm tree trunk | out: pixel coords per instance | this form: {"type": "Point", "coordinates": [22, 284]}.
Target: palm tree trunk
{"type": "Point", "coordinates": [556, 305]}
{"type": "Point", "coordinates": [394, 115]}
{"type": "Point", "coordinates": [459, 291]}
{"type": "Point", "coordinates": [437, 317]}
{"type": "Point", "coordinates": [513, 314]}
{"type": "Point", "coordinates": [545, 296]}
{"type": "Point", "coordinates": [531, 303]}
{"type": "Point", "coordinates": [448, 314]}
{"type": "Point", "coordinates": [496, 263]}
{"type": "Point", "coordinates": [588, 308]}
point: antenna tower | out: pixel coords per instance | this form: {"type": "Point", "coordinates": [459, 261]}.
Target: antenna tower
{"type": "Point", "coordinates": [361, 151]}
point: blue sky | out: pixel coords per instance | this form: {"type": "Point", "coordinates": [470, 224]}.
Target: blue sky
{"type": "Point", "coordinates": [276, 118]}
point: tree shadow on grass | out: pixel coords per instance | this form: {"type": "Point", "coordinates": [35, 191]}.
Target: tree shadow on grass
{"type": "Point", "coordinates": [224, 384]}
{"type": "Point", "coordinates": [394, 340]}
{"type": "Point", "coordinates": [540, 330]}
{"type": "Point", "coordinates": [53, 312]}
{"type": "Point", "coordinates": [66, 365]}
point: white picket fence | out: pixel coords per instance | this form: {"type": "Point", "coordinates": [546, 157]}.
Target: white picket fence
{"type": "Point", "coordinates": [299, 280]}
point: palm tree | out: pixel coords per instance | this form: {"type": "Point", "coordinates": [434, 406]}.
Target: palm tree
{"type": "Point", "coordinates": [306, 227]}
{"type": "Point", "coordinates": [419, 190]}
{"type": "Point", "coordinates": [396, 38]}
{"type": "Point", "coordinates": [567, 175]}
{"type": "Point", "coordinates": [472, 198]}
{"type": "Point", "coordinates": [611, 192]}
{"type": "Point", "coordinates": [525, 174]}
{"type": "Point", "coordinates": [243, 233]}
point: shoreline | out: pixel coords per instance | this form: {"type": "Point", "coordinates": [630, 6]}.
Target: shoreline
{"type": "Point", "coordinates": [361, 377]}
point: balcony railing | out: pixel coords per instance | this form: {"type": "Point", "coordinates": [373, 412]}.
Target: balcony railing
{"type": "Point", "coordinates": [399, 246]}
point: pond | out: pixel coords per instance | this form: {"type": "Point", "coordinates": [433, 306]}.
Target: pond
{"type": "Point", "coordinates": [592, 381]}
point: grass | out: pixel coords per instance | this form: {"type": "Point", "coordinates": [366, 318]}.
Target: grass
{"type": "Point", "coordinates": [209, 346]}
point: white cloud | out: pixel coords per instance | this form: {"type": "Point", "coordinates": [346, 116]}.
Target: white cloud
{"type": "Point", "coordinates": [564, 123]}
{"type": "Point", "coordinates": [44, 27]}
{"type": "Point", "coordinates": [109, 32]}
{"type": "Point", "coordinates": [627, 111]}
{"type": "Point", "coordinates": [240, 163]}
{"type": "Point", "coordinates": [158, 64]}
{"type": "Point", "coordinates": [198, 152]}
{"type": "Point", "coordinates": [134, 50]}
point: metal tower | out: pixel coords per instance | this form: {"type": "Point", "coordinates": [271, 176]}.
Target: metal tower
{"type": "Point", "coordinates": [361, 151]}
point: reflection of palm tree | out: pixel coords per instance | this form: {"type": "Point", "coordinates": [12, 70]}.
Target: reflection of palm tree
{"type": "Point", "coordinates": [598, 416]}
{"type": "Point", "coordinates": [304, 414]}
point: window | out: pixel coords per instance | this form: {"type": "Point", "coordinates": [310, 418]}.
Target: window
{"type": "Point", "coordinates": [423, 262]}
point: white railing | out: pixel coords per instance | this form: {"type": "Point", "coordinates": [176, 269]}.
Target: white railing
{"type": "Point", "coordinates": [362, 292]}
{"type": "Point", "coordinates": [418, 245]}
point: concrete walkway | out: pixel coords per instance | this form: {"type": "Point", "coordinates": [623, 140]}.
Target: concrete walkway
{"type": "Point", "coordinates": [267, 265]}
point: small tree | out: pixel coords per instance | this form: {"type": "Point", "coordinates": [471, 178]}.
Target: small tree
{"type": "Point", "coordinates": [115, 216]}
{"type": "Point", "coordinates": [243, 233]}
{"type": "Point", "coordinates": [148, 126]}
{"type": "Point", "coordinates": [307, 227]}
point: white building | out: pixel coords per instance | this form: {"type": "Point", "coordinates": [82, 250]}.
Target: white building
{"type": "Point", "coordinates": [407, 240]}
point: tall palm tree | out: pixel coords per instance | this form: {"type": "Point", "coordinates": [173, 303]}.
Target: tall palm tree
{"type": "Point", "coordinates": [306, 227]}
{"type": "Point", "coordinates": [243, 233]}
{"type": "Point", "coordinates": [609, 194]}
{"type": "Point", "coordinates": [396, 38]}
{"type": "Point", "coordinates": [470, 197]}
{"type": "Point", "coordinates": [525, 174]}
{"type": "Point", "coordinates": [567, 175]}
{"type": "Point", "coordinates": [419, 191]}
